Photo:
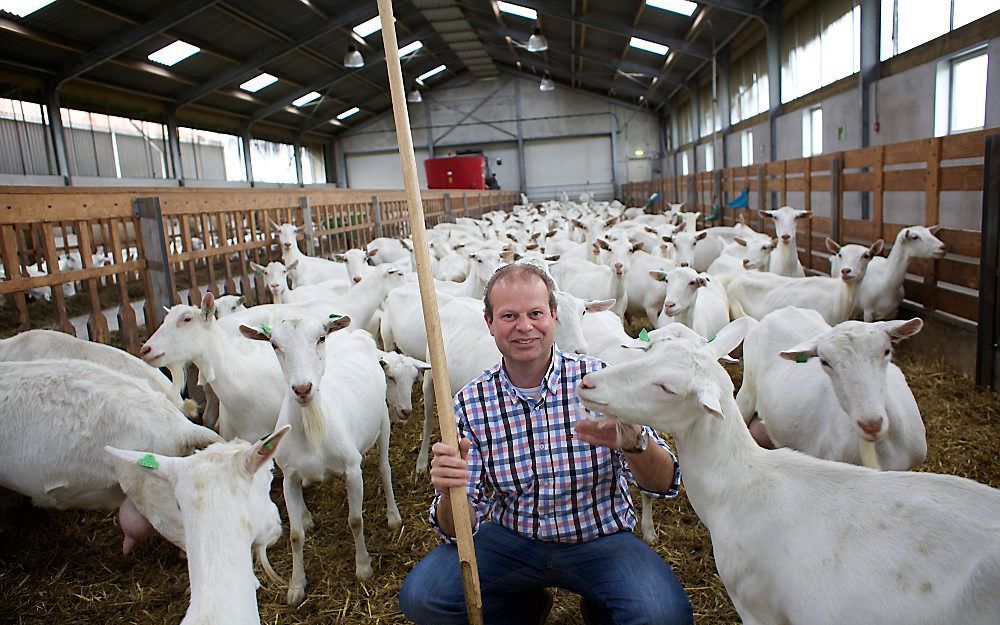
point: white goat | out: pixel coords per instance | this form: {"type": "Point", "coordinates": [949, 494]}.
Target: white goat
{"type": "Point", "coordinates": [757, 293]}
{"type": "Point", "coordinates": [881, 292]}
{"type": "Point", "coordinates": [590, 281]}
{"type": "Point", "coordinates": [471, 349]}
{"type": "Point", "coordinates": [55, 416]}
{"type": "Point", "coordinates": [785, 259]}
{"type": "Point", "coordinates": [244, 375]}
{"type": "Point", "coordinates": [385, 250]}
{"type": "Point", "coordinates": [401, 371]}
{"type": "Point", "coordinates": [337, 412]}
{"type": "Point", "coordinates": [223, 494]}
{"type": "Point", "coordinates": [802, 540]}
{"type": "Point", "coordinates": [833, 393]}
{"type": "Point", "coordinates": [694, 300]}
{"type": "Point", "coordinates": [228, 304]}
{"type": "Point", "coordinates": [696, 249]}
{"type": "Point", "coordinates": [51, 345]}
{"type": "Point", "coordinates": [310, 270]}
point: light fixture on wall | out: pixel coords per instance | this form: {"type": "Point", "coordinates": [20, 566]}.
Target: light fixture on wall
{"type": "Point", "coordinates": [353, 58]}
{"type": "Point", "coordinates": [546, 84]}
{"type": "Point", "coordinates": [537, 41]}
{"type": "Point", "coordinates": [413, 95]}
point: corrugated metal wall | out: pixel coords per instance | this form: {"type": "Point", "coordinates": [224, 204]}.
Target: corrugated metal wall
{"type": "Point", "coordinates": [25, 149]}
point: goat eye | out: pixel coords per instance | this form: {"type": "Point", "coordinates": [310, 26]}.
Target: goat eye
{"type": "Point", "coordinates": [322, 339]}
{"type": "Point", "coordinates": [389, 377]}
{"type": "Point", "coordinates": [665, 389]}
{"type": "Point", "coordinates": [887, 351]}
{"type": "Point", "coordinates": [824, 363]}
{"type": "Point", "coordinates": [187, 318]}
{"type": "Point", "coordinates": [691, 283]}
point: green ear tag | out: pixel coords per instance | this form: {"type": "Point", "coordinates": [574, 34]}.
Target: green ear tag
{"type": "Point", "coordinates": [643, 335]}
{"type": "Point", "coordinates": [269, 446]}
{"type": "Point", "coordinates": [148, 461]}
{"type": "Point", "coordinates": [711, 338]}
{"type": "Point", "coordinates": [266, 329]}
{"type": "Point", "coordinates": [216, 312]}
{"type": "Point", "coordinates": [801, 358]}
{"type": "Point", "coordinates": [335, 316]}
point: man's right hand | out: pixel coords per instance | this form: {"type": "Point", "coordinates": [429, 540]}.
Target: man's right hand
{"type": "Point", "coordinates": [448, 468]}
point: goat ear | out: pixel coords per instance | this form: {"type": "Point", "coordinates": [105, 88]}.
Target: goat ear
{"type": "Point", "coordinates": [332, 325]}
{"type": "Point", "coordinates": [766, 213]}
{"type": "Point", "coordinates": [257, 269]}
{"type": "Point", "coordinates": [803, 214]}
{"type": "Point", "coordinates": [272, 224]}
{"type": "Point", "coordinates": [933, 229]}
{"type": "Point", "coordinates": [709, 400]}
{"type": "Point", "coordinates": [899, 330]}
{"type": "Point", "coordinates": [160, 466]}
{"type": "Point", "coordinates": [730, 336]}
{"type": "Point", "coordinates": [255, 334]}
{"type": "Point", "coordinates": [340, 258]}
{"type": "Point", "coordinates": [373, 251]}
{"type": "Point", "coordinates": [242, 300]}
{"type": "Point", "coordinates": [604, 245]}
{"type": "Point", "coordinates": [208, 305]}
{"type": "Point", "coordinates": [507, 256]}
{"type": "Point", "coordinates": [739, 241]}
{"type": "Point", "coordinates": [638, 246]}
{"type": "Point", "coordinates": [801, 352]}
{"type": "Point", "coordinates": [876, 247]}
{"type": "Point", "coordinates": [553, 258]}
{"type": "Point", "coordinates": [421, 365]}
{"type": "Point", "coordinates": [832, 246]}
{"type": "Point", "coordinates": [659, 276]}
{"type": "Point", "coordinates": [701, 235]}
{"type": "Point", "coordinates": [292, 265]}
{"type": "Point", "coordinates": [703, 280]}
{"type": "Point", "coordinates": [599, 305]}
{"type": "Point", "coordinates": [262, 451]}
{"type": "Point", "coordinates": [301, 229]}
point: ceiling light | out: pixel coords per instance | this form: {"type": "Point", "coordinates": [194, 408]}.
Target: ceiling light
{"type": "Point", "coordinates": [640, 152]}
{"type": "Point", "coordinates": [174, 53]}
{"type": "Point", "coordinates": [307, 98]}
{"type": "Point", "coordinates": [259, 82]}
{"type": "Point", "coordinates": [684, 7]}
{"type": "Point", "coordinates": [410, 47]}
{"type": "Point", "coordinates": [414, 96]}
{"type": "Point", "coordinates": [23, 8]}
{"type": "Point", "coordinates": [434, 72]}
{"type": "Point", "coordinates": [537, 41]}
{"type": "Point", "coordinates": [353, 58]}
{"type": "Point", "coordinates": [348, 112]}
{"type": "Point", "coordinates": [546, 84]}
{"type": "Point", "coordinates": [649, 46]}
{"type": "Point", "coordinates": [366, 28]}
{"type": "Point", "coordinates": [516, 9]}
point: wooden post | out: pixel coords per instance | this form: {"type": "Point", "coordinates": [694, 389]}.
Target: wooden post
{"type": "Point", "coordinates": [154, 247]}
{"type": "Point", "coordinates": [807, 205]}
{"type": "Point", "coordinates": [761, 196]}
{"type": "Point", "coordinates": [836, 197]}
{"type": "Point", "coordinates": [432, 320]}
{"type": "Point", "coordinates": [448, 217]}
{"type": "Point", "coordinates": [377, 214]}
{"type": "Point", "coordinates": [986, 329]}
{"type": "Point", "coordinates": [307, 221]}
{"type": "Point", "coordinates": [932, 208]}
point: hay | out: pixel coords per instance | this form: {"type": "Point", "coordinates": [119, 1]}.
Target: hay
{"type": "Point", "coordinates": [61, 568]}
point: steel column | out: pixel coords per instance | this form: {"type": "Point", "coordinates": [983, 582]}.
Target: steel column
{"type": "Point", "coordinates": [522, 180]}
{"type": "Point", "coordinates": [58, 136]}
{"type": "Point", "coordinates": [773, 22]}
{"type": "Point", "coordinates": [174, 148]}
{"type": "Point", "coordinates": [247, 163]}
{"type": "Point", "coordinates": [989, 314]}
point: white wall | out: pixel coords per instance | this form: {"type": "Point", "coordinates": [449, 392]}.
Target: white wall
{"type": "Point", "coordinates": [566, 136]}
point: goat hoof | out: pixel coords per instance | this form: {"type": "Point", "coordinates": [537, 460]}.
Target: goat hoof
{"type": "Point", "coordinates": [395, 522]}
{"type": "Point", "coordinates": [649, 537]}
{"type": "Point", "coordinates": [363, 570]}
{"type": "Point", "coordinates": [296, 595]}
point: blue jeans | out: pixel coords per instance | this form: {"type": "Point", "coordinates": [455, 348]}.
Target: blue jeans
{"type": "Point", "coordinates": [622, 580]}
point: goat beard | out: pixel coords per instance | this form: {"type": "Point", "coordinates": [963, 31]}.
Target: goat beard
{"type": "Point", "coordinates": [314, 424]}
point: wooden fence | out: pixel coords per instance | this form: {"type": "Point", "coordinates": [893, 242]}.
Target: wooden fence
{"type": "Point", "coordinates": [165, 240]}
{"type": "Point", "coordinates": [928, 167]}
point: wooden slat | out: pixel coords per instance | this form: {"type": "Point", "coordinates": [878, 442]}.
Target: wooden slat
{"type": "Point", "coordinates": [932, 206]}
{"type": "Point", "coordinates": [905, 180]}
{"type": "Point", "coordinates": [97, 323]}
{"type": "Point", "coordinates": [12, 268]}
{"type": "Point", "coordinates": [864, 157]}
{"type": "Point", "coordinates": [858, 182]}
{"type": "Point", "coordinates": [58, 297]}
{"type": "Point", "coordinates": [958, 272]}
{"type": "Point", "coordinates": [964, 242]}
{"type": "Point", "coordinates": [952, 302]}
{"type": "Point", "coordinates": [962, 178]}
{"type": "Point", "coordinates": [863, 230]}
{"type": "Point", "coordinates": [127, 324]}
{"type": "Point", "coordinates": [964, 145]}
{"type": "Point", "coordinates": [918, 151]}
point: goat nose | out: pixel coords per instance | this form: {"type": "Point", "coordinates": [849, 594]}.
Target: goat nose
{"type": "Point", "coordinates": [685, 264]}
{"type": "Point", "coordinates": [145, 350]}
{"type": "Point", "coordinates": [302, 389]}
{"type": "Point", "coordinates": [786, 237]}
{"type": "Point", "coordinates": [618, 266]}
{"type": "Point", "coordinates": [585, 384]}
{"type": "Point", "coordinates": [846, 271]}
{"type": "Point", "coordinates": [746, 262]}
{"type": "Point", "coordinates": [580, 351]}
{"type": "Point", "coordinates": [871, 427]}
{"type": "Point", "coordinates": [669, 305]}
{"type": "Point", "coordinates": [357, 279]}
{"type": "Point", "coordinates": [405, 413]}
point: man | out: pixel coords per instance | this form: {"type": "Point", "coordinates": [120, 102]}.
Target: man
{"type": "Point", "coordinates": [558, 505]}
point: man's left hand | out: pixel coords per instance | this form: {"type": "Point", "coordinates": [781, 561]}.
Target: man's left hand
{"type": "Point", "coordinates": [603, 432]}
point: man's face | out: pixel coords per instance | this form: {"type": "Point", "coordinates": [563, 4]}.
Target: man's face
{"type": "Point", "coordinates": [523, 325]}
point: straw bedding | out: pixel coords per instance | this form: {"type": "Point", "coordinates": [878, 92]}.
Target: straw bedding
{"type": "Point", "coordinates": [62, 568]}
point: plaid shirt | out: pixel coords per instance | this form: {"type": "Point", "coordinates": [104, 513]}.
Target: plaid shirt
{"type": "Point", "coordinates": [545, 484]}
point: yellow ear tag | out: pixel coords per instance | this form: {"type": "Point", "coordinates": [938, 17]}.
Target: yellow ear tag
{"type": "Point", "coordinates": [148, 462]}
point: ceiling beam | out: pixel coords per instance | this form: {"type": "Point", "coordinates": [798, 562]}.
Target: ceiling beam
{"type": "Point", "coordinates": [327, 83]}
{"type": "Point", "coordinates": [134, 37]}
{"type": "Point", "coordinates": [608, 23]}
{"type": "Point", "coordinates": [743, 7]}
{"type": "Point", "coordinates": [592, 55]}
{"type": "Point", "coordinates": [273, 52]}
{"type": "Point", "coordinates": [513, 71]}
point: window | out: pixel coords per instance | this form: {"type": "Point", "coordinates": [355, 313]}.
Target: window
{"type": "Point", "coordinates": [746, 148]}
{"type": "Point", "coordinates": [749, 91]}
{"type": "Point", "coordinates": [685, 167]}
{"type": "Point", "coordinates": [812, 131]}
{"type": "Point", "coordinates": [960, 97]}
{"type": "Point", "coordinates": [908, 23]}
{"type": "Point", "coordinates": [709, 157]}
{"type": "Point", "coordinates": [820, 45]}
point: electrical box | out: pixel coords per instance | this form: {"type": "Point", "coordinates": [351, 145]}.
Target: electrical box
{"type": "Point", "coordinates": [456, 172]}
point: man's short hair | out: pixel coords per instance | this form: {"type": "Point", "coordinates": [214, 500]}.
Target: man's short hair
{"type": "Point", "coordinates": [519, 270]}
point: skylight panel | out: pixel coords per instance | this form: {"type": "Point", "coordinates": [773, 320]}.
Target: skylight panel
{"type": "Point", "coordinates": [23, 8]}
{"type": "Point", "coordinates": [684, 7]}
{"type": "Point", "coordinates": [434, 72]}
{"type": "Point", "coordinates": [516, 9]}
{"type": "Point", "coordinates": [256, 84]}
{"type": "Point", "coordinates": [410, 48]}
{"type": "Point", "coordinates": [649, 46]}
{"type": "Point", "coordinates": [307, 98]}
{"type": "Point", "coordinates": [348, 113]}
{"type": "Point", "coordinates": [174, 53]}
{"type": "Point", "coordinates": [366, 28]}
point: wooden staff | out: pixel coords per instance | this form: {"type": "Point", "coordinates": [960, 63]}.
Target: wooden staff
{"type": "Point", "coordinates": [432, 321]}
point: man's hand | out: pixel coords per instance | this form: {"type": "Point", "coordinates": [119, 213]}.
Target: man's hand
{"type": "Point", "coordinates": [604, 432]}
{"type": "Point", "coordinates": [448, 468]}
